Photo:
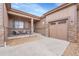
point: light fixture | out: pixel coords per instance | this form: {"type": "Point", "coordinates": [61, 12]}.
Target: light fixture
{"type": "Point", "coordinates": [43, 22]}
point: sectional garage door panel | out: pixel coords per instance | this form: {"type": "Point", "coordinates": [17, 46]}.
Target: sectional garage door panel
{"type": "Point", "coordinates": [58, 30]}
{"type": "Point", "coordinates": [61, 31]}
{"type": "Point", "coordinates": [53, 31]}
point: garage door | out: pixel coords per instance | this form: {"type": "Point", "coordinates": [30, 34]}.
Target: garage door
{"type": "Point", "coordinates": [58, 29]}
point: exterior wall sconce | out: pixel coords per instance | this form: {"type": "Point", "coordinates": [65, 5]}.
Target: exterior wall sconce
{"type": "Point", "coordinates": [43, 22]}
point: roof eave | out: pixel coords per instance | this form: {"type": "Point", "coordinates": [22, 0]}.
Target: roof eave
{"type": "Point", "coordinates": [14, 12]}
{"type": "Point", "coordinates": [58, 8]}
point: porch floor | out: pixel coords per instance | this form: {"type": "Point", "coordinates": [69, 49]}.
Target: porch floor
{"type": "Point", "coordinates": [21, 39]}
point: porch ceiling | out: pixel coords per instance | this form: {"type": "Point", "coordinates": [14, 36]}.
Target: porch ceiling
{"type": "Point", "coordinates": [11, 16]}
{"type": "Point", "coordinates": [18, 13]}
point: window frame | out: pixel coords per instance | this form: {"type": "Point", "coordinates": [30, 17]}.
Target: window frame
{"type": "Point", "coordinates": [19, 24]}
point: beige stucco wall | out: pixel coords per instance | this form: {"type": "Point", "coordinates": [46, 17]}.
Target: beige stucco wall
{"type": "Point", "coordinates": [70, 13]}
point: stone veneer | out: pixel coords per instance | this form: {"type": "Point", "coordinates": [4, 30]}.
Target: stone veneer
{"type": "Point", "coordinates": [1, 25]}
{"type": "Point", "coordinates": [71, 14]}
{"type": "Point", "coordinates": [72, 28]}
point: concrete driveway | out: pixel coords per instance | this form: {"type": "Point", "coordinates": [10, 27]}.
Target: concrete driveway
{"type": "Point", "coordinates": [43, 47]}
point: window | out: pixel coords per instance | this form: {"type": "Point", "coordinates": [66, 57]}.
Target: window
{"type": "Point", "coordinates": [61, 21]}
{"type": "Point", "coordinates": [19, 24]}
{"type": "Point", "coordinates": [52, 22]}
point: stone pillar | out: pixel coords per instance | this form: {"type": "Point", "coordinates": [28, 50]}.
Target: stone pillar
{"type": "Point", "coordinates": [78, 25]}
{"type": "Point", "coordinates": [46, 27]}
{"type": "Point", "coordinates": [1, 25]}
{"type": "Point", "coordinates": [32, 25]}
{"type": "Point", "coordinates": [72, 26]}
{"type": "Point", "coordinates": [5, 24]}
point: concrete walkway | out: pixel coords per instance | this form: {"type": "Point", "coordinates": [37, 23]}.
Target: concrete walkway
{"type": "Point", "coordinates": [43, 47]}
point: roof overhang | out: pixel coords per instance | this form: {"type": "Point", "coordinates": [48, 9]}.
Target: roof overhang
{"type": "Point", "coordinates": [22, 14]}
{"type": "Point", "coordinates": [59, 8]}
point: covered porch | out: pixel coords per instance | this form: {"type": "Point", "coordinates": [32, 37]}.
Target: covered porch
{"type": "Point", "coordinates": [20, 24]}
